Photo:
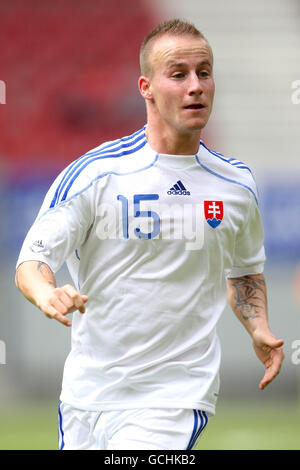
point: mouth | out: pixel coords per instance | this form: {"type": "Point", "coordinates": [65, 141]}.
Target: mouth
{"type": "Point", "coordinates": [195, 106]}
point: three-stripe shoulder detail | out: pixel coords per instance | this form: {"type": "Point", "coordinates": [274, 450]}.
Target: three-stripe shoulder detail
{"type": "Point", "coordinates": [231, 161]}
{"type": "Point", "coordinates": [229, 180]}
{"type": "Point", "coordinates": [115, 149]}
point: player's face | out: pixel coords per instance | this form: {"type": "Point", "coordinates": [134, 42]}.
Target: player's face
{"type": "Point", "coordinates": [182, 84]}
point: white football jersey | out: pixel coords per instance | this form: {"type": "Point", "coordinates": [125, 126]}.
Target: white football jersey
{"type": "Point", "coordinates": [150, 238]}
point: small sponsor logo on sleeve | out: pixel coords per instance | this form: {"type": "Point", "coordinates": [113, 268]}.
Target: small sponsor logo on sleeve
{"type": "Point", "coordinates": [37, 246]}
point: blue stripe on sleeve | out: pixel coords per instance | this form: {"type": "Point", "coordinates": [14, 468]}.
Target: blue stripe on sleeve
{"type": "Point", "coordinates": [123, 139]}
{"type": "Point", "coordinates": [226, 179]}
{"type": "Point", "coordinates": [231, 161]}
{"type": "Point", "coordinates": [79, 161]}
{"type": "Point", "coordinates": [102, 176]}
{"type": "Point", "coordinates": [126, 152]}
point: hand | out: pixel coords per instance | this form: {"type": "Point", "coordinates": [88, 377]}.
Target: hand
{"type": "Point", "coordinates": [269, 351]}
{"type": "Point", "coordinates": [57, 302]}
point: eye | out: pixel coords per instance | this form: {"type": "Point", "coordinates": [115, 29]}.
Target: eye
{"type": "Point", "coordinates": [178, 75]}
{"type": "Point", "coordinates": [204, 74]}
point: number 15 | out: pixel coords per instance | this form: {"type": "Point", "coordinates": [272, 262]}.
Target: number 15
{"type": "Point", "coordinates": [137, 212]}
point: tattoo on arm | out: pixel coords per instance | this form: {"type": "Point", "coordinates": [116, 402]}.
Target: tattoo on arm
{"type": "Point", "coordinates": [249, 296]}
{"type": "Point", "coordinates": [46, 272]}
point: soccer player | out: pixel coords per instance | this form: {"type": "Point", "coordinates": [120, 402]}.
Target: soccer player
{"type": "Point", "coordinates": [157, 231]}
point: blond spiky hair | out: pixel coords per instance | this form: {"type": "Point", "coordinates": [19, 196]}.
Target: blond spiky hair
{"type": "Point", "coordinates": [174, 27]}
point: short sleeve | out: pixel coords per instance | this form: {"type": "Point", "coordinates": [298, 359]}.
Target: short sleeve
{"type": "Point", "coordinates": [249, 253]}
{"type": "Point", "coordinates": [59, 230]}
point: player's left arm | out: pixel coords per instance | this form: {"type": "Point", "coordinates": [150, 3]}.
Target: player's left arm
{"type": "Point", "coordinates": [247, 296]}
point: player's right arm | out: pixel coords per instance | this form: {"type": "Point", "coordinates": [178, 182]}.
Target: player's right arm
{"type": "Point", "coordinates": [37, 283]}
{"type": "Point", "coordinates": [60, 228]}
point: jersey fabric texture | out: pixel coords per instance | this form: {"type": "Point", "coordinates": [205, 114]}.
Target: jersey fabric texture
{"type": "Point", "coordinates": [150, 238]}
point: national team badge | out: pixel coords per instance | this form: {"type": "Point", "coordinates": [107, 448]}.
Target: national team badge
{"type": "Point", "coordinates": [213, 211]}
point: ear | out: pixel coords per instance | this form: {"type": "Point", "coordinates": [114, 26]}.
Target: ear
{"type": "Point", "coordinates": [145, 88]}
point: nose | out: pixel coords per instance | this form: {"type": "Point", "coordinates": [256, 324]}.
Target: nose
{"type": "Point", "coordinates": [195, 86]}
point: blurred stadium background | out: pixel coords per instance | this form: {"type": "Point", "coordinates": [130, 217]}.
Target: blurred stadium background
{"type": "Point", "coordinates": [71, 69]}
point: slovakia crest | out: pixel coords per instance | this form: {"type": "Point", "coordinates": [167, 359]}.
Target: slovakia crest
{"type": "Point", "coordinates": [213, 211]}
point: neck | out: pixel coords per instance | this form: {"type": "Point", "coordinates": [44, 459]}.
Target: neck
{"type": "Point", "coordinates": [171, 141]}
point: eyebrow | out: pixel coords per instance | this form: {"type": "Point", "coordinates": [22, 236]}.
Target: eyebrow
{"type": "Point", "coordinates": [172, 63]}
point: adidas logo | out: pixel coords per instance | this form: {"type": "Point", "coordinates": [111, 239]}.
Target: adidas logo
{"type": "Point", "coordinates": [37, 246]}
{"type": "Point", "coordinates": [179, 189]}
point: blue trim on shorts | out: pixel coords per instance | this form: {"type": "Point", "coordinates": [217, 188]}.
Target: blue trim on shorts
{"type": "Point", "coordinates": [60, 427]}
{"type": "Point", "coordinates": [198, 428]}
{"type": "Point", "coordinates": [194, 430]}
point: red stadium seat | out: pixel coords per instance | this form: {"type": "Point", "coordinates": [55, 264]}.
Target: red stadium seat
{"type": "Point", "coordinates": [71, 72]}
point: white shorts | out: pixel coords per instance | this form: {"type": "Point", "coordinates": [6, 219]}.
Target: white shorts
{"type": "Point", "coordinates": [138, 429]}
